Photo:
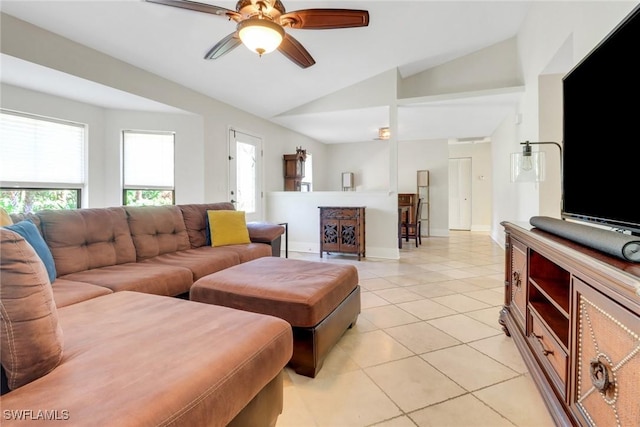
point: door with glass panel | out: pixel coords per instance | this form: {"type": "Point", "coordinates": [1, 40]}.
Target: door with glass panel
{"type": "Point", "coordinates": [245, 174]}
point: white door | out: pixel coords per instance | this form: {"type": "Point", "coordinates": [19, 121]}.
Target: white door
{"type": "Point", "coordinates": [245, 174]}
{"type": "Point", "coordinates": [460, 194]}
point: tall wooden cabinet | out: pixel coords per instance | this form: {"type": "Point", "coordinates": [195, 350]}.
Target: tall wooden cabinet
{"type": "Point", "coordinates": [574, 314]}
{"type": "Point", "coordinates": [293, 169]}
{"type": "Point", "coordinates": [342, 229]}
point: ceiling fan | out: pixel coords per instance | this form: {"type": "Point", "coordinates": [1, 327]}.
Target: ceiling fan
{"type": "Point", "coordinates": [261, 24]}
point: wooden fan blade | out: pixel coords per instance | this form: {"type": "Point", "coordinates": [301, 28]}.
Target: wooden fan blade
{"type": "Point", "coordinates": [323, 19]}
{"type": "Point", "coordinates": [224, 46]}
{"type": "Point", "coordinates": [292, 49]}
{"type": "Point", "coordinates": [199, 7]}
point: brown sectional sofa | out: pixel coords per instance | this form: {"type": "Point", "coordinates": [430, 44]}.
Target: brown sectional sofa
{"type": "Point", "coordinates": [141, 358]}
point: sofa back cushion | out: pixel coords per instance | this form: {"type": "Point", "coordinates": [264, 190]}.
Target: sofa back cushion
{"type": "Point", "coordinates": [84, 239]}
{"type": "Point", "coordinates": [31, 234]}
{"type": "Point", "coordinates": [17, 217]}
{"type": "Point", "coordinates": [30, 337]}
{"type": "Point", "coordinates": [195, 220]}
{"type": "Point", "coordinates": [157, 230]}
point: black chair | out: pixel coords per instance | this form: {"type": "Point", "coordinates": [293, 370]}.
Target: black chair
{"type": "Point", "coordinates": [413, 229]}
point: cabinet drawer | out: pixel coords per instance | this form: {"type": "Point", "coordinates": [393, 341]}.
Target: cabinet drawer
{"type": "Point", "coordinates": [341, 213]}
{"type": "Point", "coordinates": [547, 348]}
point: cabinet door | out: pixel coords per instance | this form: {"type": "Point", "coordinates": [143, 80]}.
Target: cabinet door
{"type": "Point", "coordinates": [519, 279]}
{"type": "Point", "coordinates": [330, 235]}
{"type": "Point", "coordinates": [607, 360]}
{"type": "Point", "coordinates": [349, 234]}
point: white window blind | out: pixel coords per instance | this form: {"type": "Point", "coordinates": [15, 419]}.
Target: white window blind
{"type": "Point", "coordinates": [148, 160]}
{"type": "Point", "coordinates": [41, 151]}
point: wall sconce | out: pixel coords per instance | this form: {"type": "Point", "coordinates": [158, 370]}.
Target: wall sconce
{"type": "Point", "coordinates": [529, 166]}
{"type": "Point", "coordinates": [384, 133]}
{"type": "Point", "coordinates": [347, 181]}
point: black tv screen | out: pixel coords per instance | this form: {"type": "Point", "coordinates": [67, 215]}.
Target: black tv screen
{"type": "Point", "coordinates": [601, 132]}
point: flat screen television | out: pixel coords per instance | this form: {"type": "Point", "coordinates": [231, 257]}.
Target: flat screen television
{"type": "Point", "coordinates": [601, 132]}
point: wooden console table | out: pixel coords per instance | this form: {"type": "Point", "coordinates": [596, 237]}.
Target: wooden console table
{"type": "Point", "coordinates": [574, 314]}
{"type": "Point", "coordinates": [342, 229]}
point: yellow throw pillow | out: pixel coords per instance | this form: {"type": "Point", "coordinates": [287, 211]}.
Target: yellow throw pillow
{"type": "Point", "coordinates": [5, 219]}
{"type": "Point", "coordinates": [228, 228]}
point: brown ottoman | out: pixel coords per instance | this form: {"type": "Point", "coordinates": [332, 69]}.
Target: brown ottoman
{"type": "Point", "coordinates": [320, 301]}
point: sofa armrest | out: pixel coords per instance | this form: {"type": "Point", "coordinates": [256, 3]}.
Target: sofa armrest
{"type": "Point", "coordinates": [266, 232]}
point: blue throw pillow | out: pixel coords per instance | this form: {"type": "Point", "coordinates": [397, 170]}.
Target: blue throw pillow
{"type": "Point", "coordinates": [29, 231]}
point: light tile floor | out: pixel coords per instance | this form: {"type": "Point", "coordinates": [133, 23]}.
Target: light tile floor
{"type": "Point", "coordinates": [427, 349]}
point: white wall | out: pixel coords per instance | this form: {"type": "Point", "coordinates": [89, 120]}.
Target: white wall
{"type": "Point", "coordinates": [369, 162]}
{"type": "Point", "coordinates": [434, 157]}
{"type": "Point", "coordinates": [189, 168]}
{"type": "Point", "coordinates": [210, 172]}
{"type": "Point", "coordinates": [550, 129]}
{"type": "Point", "coordinates": [21, 100]}
{"type": "Point", "coordinates": [300, 210]}
{"type": "Point", "coordinates": [548, 29]}
{"type": "Point", "coordinates": [491, 67]}
{"type": "Point", "coordinates": [104, 173]}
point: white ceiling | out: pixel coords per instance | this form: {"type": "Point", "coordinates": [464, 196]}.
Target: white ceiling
{"type": "Point", "coordinates": [410, 36]}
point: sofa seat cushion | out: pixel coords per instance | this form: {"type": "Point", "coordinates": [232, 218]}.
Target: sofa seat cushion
{"type": "Point", "coordinates": [245, 253]}
{"type": "Point", "coordinates": [198, 261]}
{"type": "Point", "coordinates": [156, 279]}
{"type": "Point", "coordinates": [137, 359]}
{"type": "Point", "coordinates": [67, 292]}
{"type": "Point", "coordinates": [83, 239]}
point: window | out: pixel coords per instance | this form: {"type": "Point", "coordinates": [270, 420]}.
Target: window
{"type": "Point", "coordinates": [148, 168]}
{"type": "Point", "coordinates": [245, 173]}
{"type": "Point", "coordinates": [42, 163]}
{"type": "Point", "coordinates": [246, 176]}
{"type": "Point", "coordinates": [307, 181]}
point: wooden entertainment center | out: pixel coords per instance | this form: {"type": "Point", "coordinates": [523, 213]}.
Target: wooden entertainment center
{"type": "Point", "coordinates": [574, 314]}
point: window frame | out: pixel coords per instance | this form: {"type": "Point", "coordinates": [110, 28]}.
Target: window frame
{"type": "Point", "coordinates": [36, 186]}
{"type": "Point", "coordinates": [126, 189]}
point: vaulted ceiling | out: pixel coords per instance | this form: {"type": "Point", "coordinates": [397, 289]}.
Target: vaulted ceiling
{"type": "Point", "coordinates": [404, 36]}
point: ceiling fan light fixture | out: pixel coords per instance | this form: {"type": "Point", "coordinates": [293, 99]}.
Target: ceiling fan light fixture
{"type": "Point", "coordinates": [260, 35]}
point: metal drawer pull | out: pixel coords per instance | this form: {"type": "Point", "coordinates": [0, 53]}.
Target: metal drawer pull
{"type": "Point", "coordinates": [544, 350]}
